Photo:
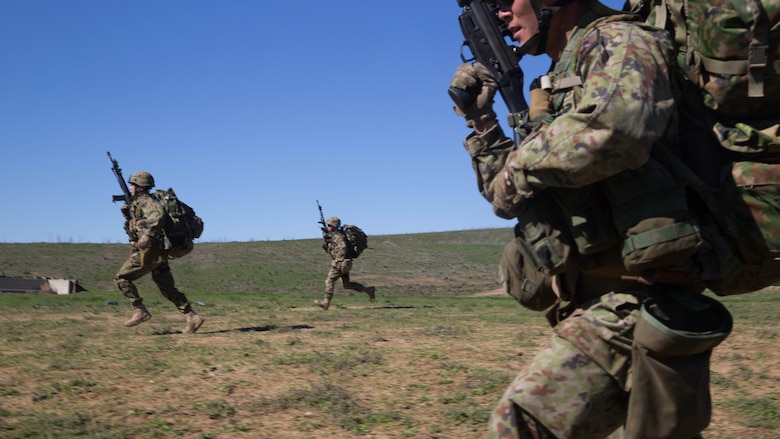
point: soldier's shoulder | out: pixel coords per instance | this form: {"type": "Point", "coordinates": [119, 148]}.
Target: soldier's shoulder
{"type": "Point", "coordinates": [146, 199]}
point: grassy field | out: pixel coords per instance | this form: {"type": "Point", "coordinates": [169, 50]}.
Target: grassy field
{"type": "Point", "coordinates": [428, 359]}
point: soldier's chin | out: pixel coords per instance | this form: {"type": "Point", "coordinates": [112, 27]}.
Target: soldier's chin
{"type": "Point", "coordinates": [531, 47]}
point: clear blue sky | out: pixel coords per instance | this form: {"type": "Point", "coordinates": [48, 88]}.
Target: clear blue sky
{"type": "Point", "coordinates": [250, 110]}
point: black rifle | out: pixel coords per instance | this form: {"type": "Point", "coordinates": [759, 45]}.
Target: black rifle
{"type": "Point", "coordinates": [325, 233]}
{"type": "Point", "coordinates": [322, 221]}
{"type": "Point", "coordinates": [118, 174]}
{"type": "Point", "coordinates": [485, 36]}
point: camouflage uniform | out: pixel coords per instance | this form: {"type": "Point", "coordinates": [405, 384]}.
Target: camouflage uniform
{"type": "Point", "coordinates": [147, 222]}
{"type": "Point", "coordinates": [336, 245]}
{"type": "Point", "coordinates": [602, 123]}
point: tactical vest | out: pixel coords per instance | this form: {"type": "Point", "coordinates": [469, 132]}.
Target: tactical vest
{"type": "Point", "coordinates": [635, 224]}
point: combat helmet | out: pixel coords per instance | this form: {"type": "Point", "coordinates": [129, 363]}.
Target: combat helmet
{"type": "Point", "coordinates": [142, 179]}
{"type": "Point", "coordinates": [334, 221]}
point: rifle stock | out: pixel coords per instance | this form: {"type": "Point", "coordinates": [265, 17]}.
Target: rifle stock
{"type": "Point", "coordinates": [485, 36]}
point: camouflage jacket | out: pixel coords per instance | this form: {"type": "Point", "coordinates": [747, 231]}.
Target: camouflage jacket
{"type": "Point", "coordinates": [337, 246]}
{"type": "Point", "coordinates": [148, 217]}
{"type": "Point", "coordinates": [613, 99]}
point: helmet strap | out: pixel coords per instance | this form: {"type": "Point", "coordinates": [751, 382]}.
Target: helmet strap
{"type": "Point", "coordinates": [544, 17]}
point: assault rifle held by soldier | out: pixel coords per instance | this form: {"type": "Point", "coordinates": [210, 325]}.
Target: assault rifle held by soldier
{"type": "Point", "coordinates": [485, 37]}
{"type": "Point", "coordinates": [322, 220]}
{"type": "Point", "coordinates": [324, 228]}
{"type": "Point", "coordinates": [118, 174]}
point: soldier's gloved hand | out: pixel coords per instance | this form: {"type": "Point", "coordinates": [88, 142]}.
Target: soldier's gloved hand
{"type": "Point", "coordinates": [472, 89]}
{"type": "Point", "coordinates": [540, 100]}
{"type": "Point", "coordinates": [126, 211]}
{"type": "Point", "coordinates": [144, 242]}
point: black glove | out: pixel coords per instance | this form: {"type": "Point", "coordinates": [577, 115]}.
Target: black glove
{"type": "Point", "coordinates": [126, 211]}
{"type": "Point", "coordinates": [472, 89]}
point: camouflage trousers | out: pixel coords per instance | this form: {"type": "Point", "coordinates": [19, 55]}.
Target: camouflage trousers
{"type": "Point", "coordinates": [579, 386]}
{"type": "Point", "coordinates": [142, 262]}
{"type": "Point", "coordinates": [340, 270]}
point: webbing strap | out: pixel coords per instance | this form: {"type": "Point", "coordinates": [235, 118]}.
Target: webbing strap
{"type": "Point", "coordinates": [566, 83]}
{"type": "Point", "coordinates": [759, 45]}
{"type": "Point", "coordinates": [658, 236]}
{"type": "Point", "coordinates": [675, 7]}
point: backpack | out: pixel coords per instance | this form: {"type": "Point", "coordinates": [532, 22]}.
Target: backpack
{"type": "Point", "coordinates": [729, 48]}
{"type": "Point", "coordinates": [729, 149]}
{"type": "Point", "coordinates": [357, 239]}
{"type": "Point", "coordinates": [182, 226]}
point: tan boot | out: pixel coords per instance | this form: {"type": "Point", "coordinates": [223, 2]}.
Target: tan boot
{"type": "Point", "coordinates": [370, 291]}
{"type": "Point", "coordinates": [193, 322]}
{"type": "Point", "coordinates": [140, 315]}
{"type": "Point", "coordinates": [324, 303]}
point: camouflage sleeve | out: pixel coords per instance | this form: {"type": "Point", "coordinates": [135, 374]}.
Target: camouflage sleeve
{"type": "Point", "coordinates": [338, 248]}
{"type": "Point", "coordinates": [489, 152]}
{"type": "Point", "coordinates": [625, 105]}
{"type": "Point", "coordinates": [148, 217]}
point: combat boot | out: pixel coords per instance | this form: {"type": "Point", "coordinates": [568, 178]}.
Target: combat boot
{"type": "Point", "coordinates": [324, 303]}
{"type": "Point", "coordinates": [193, 322]}
{"type": "Point", "coordinates": [370, 291]}
{"type": "Point", "coordinates": [140, 315]}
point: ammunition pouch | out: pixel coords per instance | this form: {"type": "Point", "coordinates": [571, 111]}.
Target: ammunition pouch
{"type": "Point", "coordinates": [522, 279]}
{"type": "Point", "coordinates": [651, 213]}
{"type": "Point", "coordinates": [542, 228]}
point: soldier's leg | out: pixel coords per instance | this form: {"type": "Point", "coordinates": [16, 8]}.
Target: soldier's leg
{"type": "Point", "coordinates": [134, 267]}
{"type": "Point", "coordinates": [348, 284]}
{"type": "Point", "coordinates": [562, 394]}
{"type": "Point", "coordinates": [333, 275]}
{"type": "Point", "coordinates": [163, 277]}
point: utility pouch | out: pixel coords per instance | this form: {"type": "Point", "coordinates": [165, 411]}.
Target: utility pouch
{"type": "Point", "coordinates": [673, 341]}
{"type": "Point", "coordinates": [651, 212]}
{"type": "Point", "coordinates": [523, 278]}
{"type": "Point", "coordinates": [544, 232]}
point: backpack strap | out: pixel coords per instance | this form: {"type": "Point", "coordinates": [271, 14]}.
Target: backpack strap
{"type": "Point", "coordinates": [756, 64]}
{"type": "Point", "coordinates": [675, 7]}
{"type": "Point", "coordinates": [759, 45]}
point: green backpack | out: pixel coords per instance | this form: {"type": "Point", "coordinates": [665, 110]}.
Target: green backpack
{"type": "Point", "coordinates": [728, 48]}
{"type": "Point", "coordinates": [357, 239]}
{"type": "Point", "coordinates": [182, 227]}
{"type": "Point", "coordinates": [729, 149]}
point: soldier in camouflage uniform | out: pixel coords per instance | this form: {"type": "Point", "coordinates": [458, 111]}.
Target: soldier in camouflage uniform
{"type": "Point", "coordinates": [144, 221]}
{"type": "Point", "coordinates": [336, 246]}
{"type": "Point", "coordinates": [612, 101]}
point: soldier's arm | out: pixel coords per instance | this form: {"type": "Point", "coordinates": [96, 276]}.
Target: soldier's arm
{"type": "Point", "coordinates": [626, 106]}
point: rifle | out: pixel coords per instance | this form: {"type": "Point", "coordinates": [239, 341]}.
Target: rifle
{"type": "Point", "coordinates": [118, 174]}
{"type": "Point", "coordinates": [485, 36]}
{"type": "Point", "coordinates": [322, 221]}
